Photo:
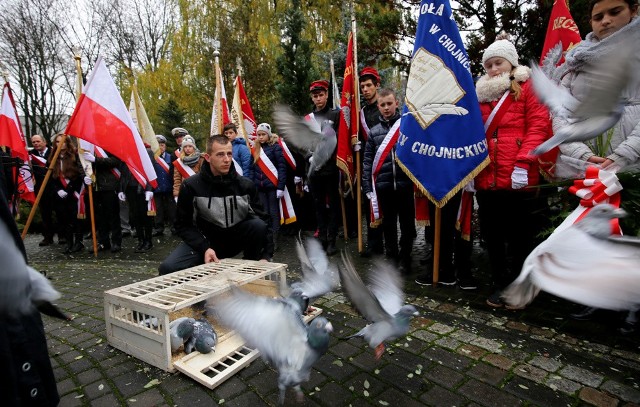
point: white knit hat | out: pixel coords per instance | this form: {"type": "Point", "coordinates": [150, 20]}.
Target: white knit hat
{"type": "Point", "coordinates": [264, 127]}
{"type": "Point", "coordinates": [188, 141]}
{"type": "Point", "coordinates": [503, 49]}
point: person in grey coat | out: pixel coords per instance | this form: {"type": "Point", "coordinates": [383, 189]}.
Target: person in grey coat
{"type": "Point", "coordinates": [623, 150]}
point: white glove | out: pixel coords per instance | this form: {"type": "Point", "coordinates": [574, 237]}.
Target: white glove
{"type": "Point", "coordinates": [519, 178]}
{"type": "Point", "coordinates": [311, 160]}
{"type": "Point", "coordinates": [279, 193]}
{"type": "Point", "coordinates": [88, 157]}
{"type": "Point", "coordinates": [369, 195]}
{"type": "Point", "coordinates": [88, 181]}
{"type": "Point", "coordinates": [357, 146]}
{"type": "Point", "coordinates": [148, 195]}
{"type": "Point", "coordinates": [297, 180]}
{"type": "Point", "coordinates": [176, 199]}
{"type": "Point", "coordinates": [305, 188]}
{"type": "Point", "coordinates": [62, 194]}
{"type": "Point", "coordinates": [122, 196]}
{"type": "Point", "coordinates": [470, 187]}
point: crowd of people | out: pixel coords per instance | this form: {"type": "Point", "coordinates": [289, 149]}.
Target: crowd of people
{"type": "Point", "coordinates": [236, 187]}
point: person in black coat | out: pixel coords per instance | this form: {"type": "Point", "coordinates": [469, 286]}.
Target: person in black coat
{"type": "Point", "coordinates": [40, 160]}
{"type": "Point", "coordinates": [26, 376]}
{"type": "Point", "coordinates": [393, 188]}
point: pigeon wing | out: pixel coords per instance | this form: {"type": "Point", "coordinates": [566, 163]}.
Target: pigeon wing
{"type": "Point", "coordinates": [359, 294]}
{"type": "Point", "coordinates": [267, 324]}
{"type": "Point", "coordinates": [557, 98]}
{"type": "Point", "coordinates": [386, 286]}
{"type": "Point", "coordinates": [319, 276]}
{"type": "Point", "coordinates": [325, 147]}
{"type": "Point", "coordinates": [607, 78]}
{"type": "Point", "coordinates": [295, 130]}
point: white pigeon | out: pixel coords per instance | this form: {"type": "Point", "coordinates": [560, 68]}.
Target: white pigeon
{"type": "Point", "coordinates": [598, 111]}
{"type": "Point", "coordinates": [303, 134]}
{"type": "Point", "coordinates": [22, 289]}
{"type": "Point", "coordinates": [319, 275]}
{"type": "Point", "coordinates": [277, 330]}
{"type": "Point", "coordinates": [585, 264]}
{"type": "Point", "coordinates": [180, 330]}
{"type": "Point", "coordinates": [382, 303]}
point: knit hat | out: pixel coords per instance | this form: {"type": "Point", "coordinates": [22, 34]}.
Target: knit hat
{"type": "Point", "coordinates": [179, 132]}
{"type": "Point", "coordinates": [188, 141]}
{"type": "Point", "coordinates": [501, 48]}
{"type": "Point", "coordinates": [264, 127]}
{"type": "Point", "coordinates": [161, 138]}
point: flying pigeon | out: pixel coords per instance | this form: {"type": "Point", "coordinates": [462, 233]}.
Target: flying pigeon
{"type": "Point", "coordinates": [319, 275]}
{"type": "Point", "coordinates": [180, 330]}
{"type": "Point", "coordinates": [583, 263]}
{"type": "Point", "coordinates": [381, 303]}
{"type": "Point", "coordinates": [306, 136]}
{"type": "Point", "coordinates": [599, 109]}
{"type": "Point", "coordinates": [203, 339]}
{"type": "Point", "coordinates": [22, 288]}
{"type": "Point", "coordinates": [277, 330]}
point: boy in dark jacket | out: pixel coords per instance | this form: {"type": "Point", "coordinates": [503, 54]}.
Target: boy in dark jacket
{"type": "Point", "coordinates": [389, 187]}
{"type": "Point", "coordinates": [219, 214]}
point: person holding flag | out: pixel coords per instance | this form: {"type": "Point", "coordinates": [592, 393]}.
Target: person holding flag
{"type": "Point", "coordinates": [67, 179]}
{"type": "Point", "coordinates": [324, 181]}
{"type": "Point", "coordinates": [40, 161]}
{"type": "Point", "coordinates": [389, 189]}
{"type": "Point", "coordinates": [369, 80]}
{"type": "Point", "coordinates": [515, 123]}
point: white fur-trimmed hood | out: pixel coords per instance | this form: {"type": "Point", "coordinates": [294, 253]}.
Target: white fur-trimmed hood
{"type": "Point", "coordinates": [490, 89]}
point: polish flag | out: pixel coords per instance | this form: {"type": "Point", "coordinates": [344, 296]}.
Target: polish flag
{"type": "Point", "coordinates": [102, 118]}
{"type": "Point", "coordinates": [11, 136]}
{"type": "Point", "coordinates": [220, 114]}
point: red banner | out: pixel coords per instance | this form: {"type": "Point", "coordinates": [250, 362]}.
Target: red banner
{"type": "Point", "coordinates": [348, 126]}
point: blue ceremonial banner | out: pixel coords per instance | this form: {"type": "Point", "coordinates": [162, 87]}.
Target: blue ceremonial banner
{"type": "Point", "coordinates": [442, 143]}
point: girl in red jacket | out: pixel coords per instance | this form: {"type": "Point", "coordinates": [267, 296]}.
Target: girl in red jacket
{"type": "Point", "coordinates": [515, 123]}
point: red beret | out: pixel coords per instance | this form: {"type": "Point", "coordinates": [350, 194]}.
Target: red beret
{"type": "Point", "coordinates": [370, 71]}
{"type": "Point", "coordinates": [319, 85]}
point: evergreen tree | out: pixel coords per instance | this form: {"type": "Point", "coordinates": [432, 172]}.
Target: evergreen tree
{"type": "Point", "coordinates": [170, 116]}
{"type": "Point", "coordinates": [295, 64]}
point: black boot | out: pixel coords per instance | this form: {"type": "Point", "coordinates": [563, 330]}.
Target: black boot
{"type": "Point", "coordinates": [145, 247]}
{"type": "Point", "coordinates": [68, 241]}
{"type": "Point", "coordinates": [139, 246]}
{"type": "Point", "coordinates": [78, 245]}
{"type": "Point", "coordinates": [584, 314]}
{"type": "Point", "coordinates": [331, 247]}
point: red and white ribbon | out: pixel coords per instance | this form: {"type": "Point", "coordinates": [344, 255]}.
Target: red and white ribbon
{"type": "Point", "coordinates": [598, 187]}
{"type": "Point", "coordinates": [183, 168]}
{"type": "Point", "coordinates": [82, 210]}
{"type": "Point", "coordinates": [100, 153]}
{"type": "Point", "coordinates": [151, 206]}
{"type": "Point", "coordinates": [163, 164]}
{"type": "Point", "coordinates": [287, 214]}
{"type": "Point", "coordinates": [381, 154]}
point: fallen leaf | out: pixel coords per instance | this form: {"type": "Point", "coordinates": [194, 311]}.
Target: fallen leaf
{"type": "Point", "coordinates": [366, 384]}
{"type": "Point", "coordinates": [79, 357]}
{"type": "Point", "coordinates": [522, 386]}
{"type": "Point", "coordinates": [365, 393]}
{"type": "Point", "coordinates": [152, 383]}
{"type": "Point", "coordinates": [100, 387]}
{"type": "Point", "coordinates": [79, 396]}
{"type": "Point", "coordinates": [220, 401]}
{"type": "Point", "coordinates": [382, 402]}
{"type": "Point", "coordinates": [337, 363]}
{"type": "Point", "coordinates": [410, 375]}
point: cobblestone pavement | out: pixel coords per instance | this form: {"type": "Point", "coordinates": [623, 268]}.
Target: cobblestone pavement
{"type": "Point", "coordinates": [458, 353]}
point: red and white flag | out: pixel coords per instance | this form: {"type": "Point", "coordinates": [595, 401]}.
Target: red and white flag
{"type": "Point", "coordinates": [11, 136]}
{"type": "Point", "coordinates": [220, 113]}
{"type": "Point", "coordinates": [348, 126]}
{"type": "Point", "coordinates": [102, 118]}
{"type": "Point", "coordinates": [242, 114]}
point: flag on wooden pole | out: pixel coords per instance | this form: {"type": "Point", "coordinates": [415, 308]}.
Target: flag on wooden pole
{"type": "Point", "coordinates": [348, 122]}
{"type": "Point", "coordinates": [141, 120]}
{"type": "Point", "coordinates": [220, 113]}
{"type": "Point", "coordinates": [242, 113]}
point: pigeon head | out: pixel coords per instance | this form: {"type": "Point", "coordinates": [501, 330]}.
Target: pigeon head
{"type": "Point", "coordinates": [205, 344]}
{"type": "Point", "coordinates": [318, 334]}
{"type": "Point", "coordinates": [607, 211]}
{"type": "Point", "coordinates": [597, 221]}
{"type": "Point", "coordinates": [407, 311]}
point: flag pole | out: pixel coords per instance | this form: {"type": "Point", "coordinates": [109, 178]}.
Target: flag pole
{"type": "Point", "coordinates": [86, 166]}
{"type": "Point", "coordinates": [218, 96]}
{"type": "Point", "coordinates": [357, 125]}
{"type": "Point", "coordinates": [334, 86]}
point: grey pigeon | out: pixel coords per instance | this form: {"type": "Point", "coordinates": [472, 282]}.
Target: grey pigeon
{"type": "Point", "coordinates": [180, 330]}
{"type": "Point", "coordinates": [306, 137]}
{"type": "Point", "coordinates": [277, 330]}
{"type": "Point", "coordinates": [583, 263]}
{"type": "Point", "coordinates": [598, 111]}
{"type": "Point", "coordinates": [381, 303]}
{"type": "Point", "coordinates": [319, 275]}
{"type": "Point", "coordinates": [22, 289]}
{"type": "Point", "coordinates": [203, 339]}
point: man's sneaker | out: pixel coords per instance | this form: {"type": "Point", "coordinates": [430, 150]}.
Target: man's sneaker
{"type": "Point", "coordinates": [467, 283]}
{"type": "Point", "coordinates": [424, 279]}
{"type": "Point", "coordinates": [447, 281]}
{"type": "Point", "coordinates": [495, 300]}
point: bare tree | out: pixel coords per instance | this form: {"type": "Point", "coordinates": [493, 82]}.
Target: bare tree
{"type": "Point", "coordinates": [31, 50]}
